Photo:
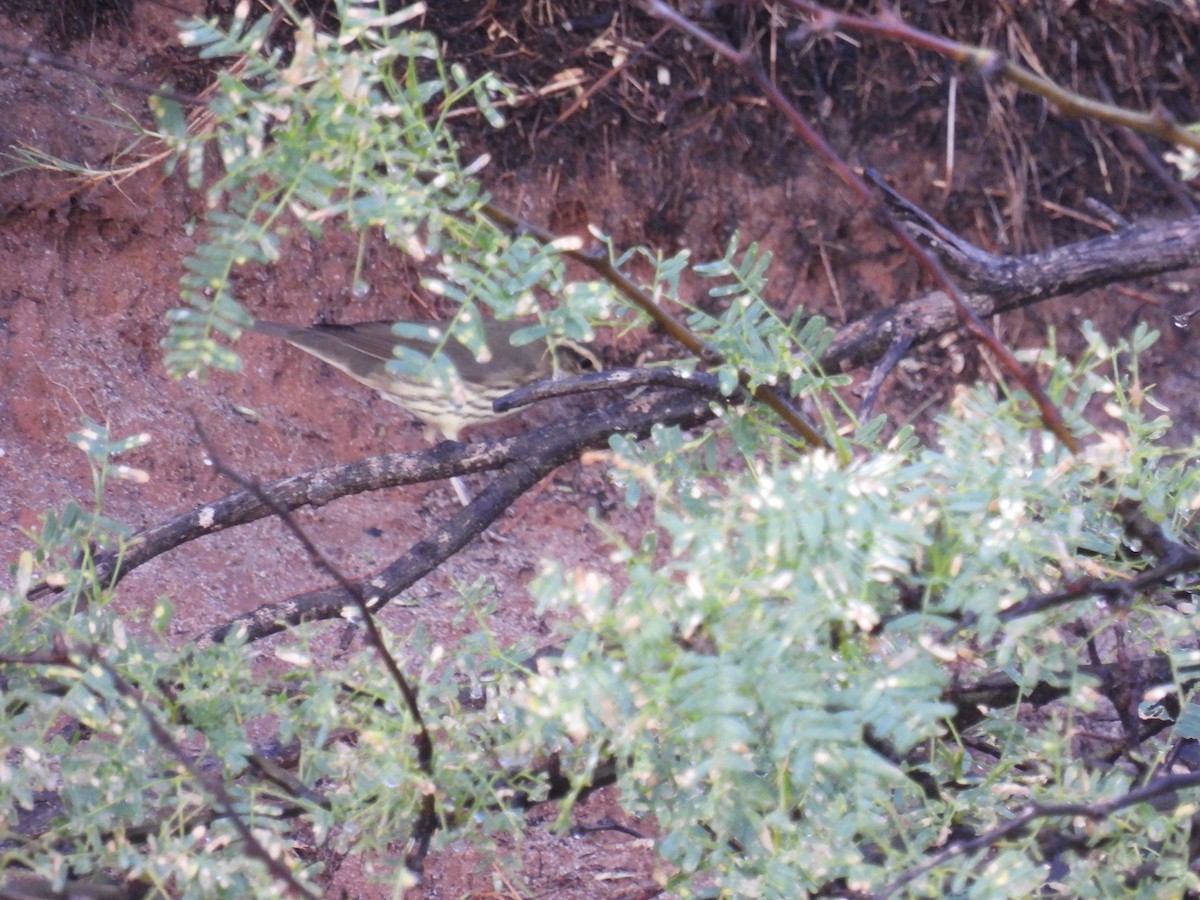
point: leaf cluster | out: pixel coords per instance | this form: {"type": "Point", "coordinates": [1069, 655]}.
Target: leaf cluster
{"type": "Point", "coordinates": [349, 130]}
{"type": "Point", "coordinates": [779, 670]}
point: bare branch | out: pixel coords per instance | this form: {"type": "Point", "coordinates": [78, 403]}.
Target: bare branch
{"type": "Point", "coordinates": [549, 448]}
{"type": "Point", "coordinates": [1174, 558]}
{"type": "Point", "coordinates": [321, 486]}
{"type": "Point", "coordinates": [1011, 282]}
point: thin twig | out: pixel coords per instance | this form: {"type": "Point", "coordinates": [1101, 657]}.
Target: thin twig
{"type": "Point", "coordinates": [900, 345]}
{"type": "Point", "coordinates": [427, 819]}
{"type": "Point", "coordinates": [600, 82]}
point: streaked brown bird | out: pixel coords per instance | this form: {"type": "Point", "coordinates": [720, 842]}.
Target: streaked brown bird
{"type": "Point", "coordinates": [363, 351]}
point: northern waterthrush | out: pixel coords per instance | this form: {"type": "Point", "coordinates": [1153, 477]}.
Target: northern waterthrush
{"type": "Point", "coordinates": [363, 351]}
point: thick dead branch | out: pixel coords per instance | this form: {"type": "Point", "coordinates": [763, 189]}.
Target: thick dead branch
{"type": "Point", "coordinates": [545, 450]}
{"type": "Point", "coordinates": [564, 441]}
{"type": "Point", "coordinates": [1003, 283]}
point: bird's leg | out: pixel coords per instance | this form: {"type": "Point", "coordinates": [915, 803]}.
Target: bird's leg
{"type": "Point", "coordinates": [460, 490]}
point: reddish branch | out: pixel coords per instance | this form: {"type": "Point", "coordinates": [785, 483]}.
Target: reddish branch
{"type": "Point", "coordinates": [598, 261]}
{"type": "Point", "coordinates": [749, 62]}
{"type": "Point", "coordinates": [887, 24]}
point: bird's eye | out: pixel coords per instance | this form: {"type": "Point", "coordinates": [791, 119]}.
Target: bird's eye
{"type": "Point", "coordinates": [585, 364]}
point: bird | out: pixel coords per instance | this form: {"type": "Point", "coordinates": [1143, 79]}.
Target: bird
{"type": "Point", "coordinates": [363, 351]}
